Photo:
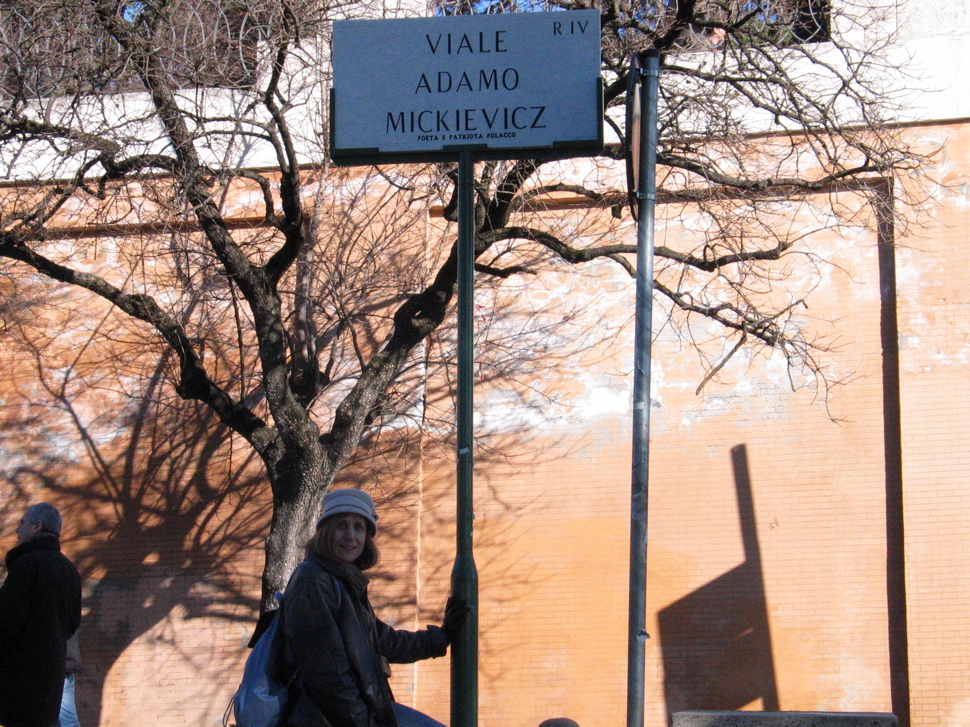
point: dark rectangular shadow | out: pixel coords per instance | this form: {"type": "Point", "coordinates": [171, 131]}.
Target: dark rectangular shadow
{"type": "Point", "coordinates": [715, 642]}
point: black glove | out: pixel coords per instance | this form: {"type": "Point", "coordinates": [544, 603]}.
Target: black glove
{"type": "Point", "coordinates": [456, 610]}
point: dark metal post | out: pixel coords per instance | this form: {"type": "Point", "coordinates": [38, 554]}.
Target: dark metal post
{"type": "Point", "coordinates": [649, 70]}
{"type": "Point", "coordinates": [464, 575]}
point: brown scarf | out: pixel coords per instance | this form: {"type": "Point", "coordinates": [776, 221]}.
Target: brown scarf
{"type": "Point", "coordinates": [353, 576]}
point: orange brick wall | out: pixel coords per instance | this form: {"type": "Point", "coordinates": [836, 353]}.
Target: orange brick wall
{"type": "Point", "coordinates": [777, 602]}
{"type": "Point", "coordinates": [934, 323]}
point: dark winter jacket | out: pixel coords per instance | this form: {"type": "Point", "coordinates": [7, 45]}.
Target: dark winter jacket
{"type": "Point", "coordinates": [40, 607]}
{"type": "Point", "coordinates": [335, 643]}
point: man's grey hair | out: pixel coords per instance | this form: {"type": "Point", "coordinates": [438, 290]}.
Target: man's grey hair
{"type": "Point", "coordinates": [47, 515]}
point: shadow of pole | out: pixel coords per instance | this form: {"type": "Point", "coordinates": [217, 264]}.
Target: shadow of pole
{"type": "Point", "coordinates": [715, 642]}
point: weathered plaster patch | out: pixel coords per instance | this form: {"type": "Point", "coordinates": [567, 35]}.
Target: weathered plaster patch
{"type": "Point", "coordinates": [959, 715]}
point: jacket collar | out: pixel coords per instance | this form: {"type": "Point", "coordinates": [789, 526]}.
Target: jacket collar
{"type": "Point", "coordinates": [41, 541]}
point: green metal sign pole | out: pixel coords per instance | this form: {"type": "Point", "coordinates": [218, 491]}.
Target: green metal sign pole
{"type": "Point", "coordinates": [464, 575]}
{"type": "Point", "coordinates": [647, 68]}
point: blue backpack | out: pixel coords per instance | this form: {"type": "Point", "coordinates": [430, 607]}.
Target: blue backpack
{"type": "Point", "coordinates": [261, 697]}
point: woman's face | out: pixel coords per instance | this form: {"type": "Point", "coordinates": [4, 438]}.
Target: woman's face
{"type": "Point", "coordinates": [349, 536]}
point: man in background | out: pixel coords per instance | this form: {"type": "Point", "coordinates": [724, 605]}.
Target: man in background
{"type": "Point", "coordinates": [40, 608]}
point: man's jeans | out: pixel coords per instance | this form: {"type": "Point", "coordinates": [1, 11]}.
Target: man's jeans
{"type": "Point", "coordinates": [68, 716]}
{"type": "Point", "coordinates": [407, 717]}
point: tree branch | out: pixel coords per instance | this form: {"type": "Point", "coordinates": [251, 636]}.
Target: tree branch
{"type": "Point", "coordinates": [194, 382]}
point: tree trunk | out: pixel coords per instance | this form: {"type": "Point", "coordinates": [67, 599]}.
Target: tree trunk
{"type": "Point", "coordinates": [290, 528]}
{"type": "Point", "coordinates": [298, 483]}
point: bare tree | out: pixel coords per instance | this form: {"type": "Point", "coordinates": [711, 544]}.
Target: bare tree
{"type": "Point", "coordinates": [152, 121]}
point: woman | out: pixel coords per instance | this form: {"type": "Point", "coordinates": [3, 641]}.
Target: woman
{"type": "Point", "coordinates": [338, 648]}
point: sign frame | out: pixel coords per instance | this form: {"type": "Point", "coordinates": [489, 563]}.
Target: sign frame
{"type": "Point", "coordinates": [469, 34]}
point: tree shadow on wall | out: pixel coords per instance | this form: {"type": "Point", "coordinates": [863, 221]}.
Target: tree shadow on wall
{"type": "Point", "coordinates": [716, 642]}
{"type": "Point", "coordinates": [166, 520]}
{"type": "Point", "coordinates": [162, 524]}
{"type": "Point", "coordinates": [166, 512]}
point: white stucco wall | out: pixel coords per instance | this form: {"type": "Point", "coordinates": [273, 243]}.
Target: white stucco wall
{"type": "Point", "coordinates": [933, 38]}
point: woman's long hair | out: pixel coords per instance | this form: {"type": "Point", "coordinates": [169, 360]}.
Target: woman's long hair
{"type": "Point", "coordinates": [322, 543]}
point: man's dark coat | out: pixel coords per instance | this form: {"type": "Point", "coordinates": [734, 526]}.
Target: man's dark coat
{"type": "Point", "coordinates": [40, 607]}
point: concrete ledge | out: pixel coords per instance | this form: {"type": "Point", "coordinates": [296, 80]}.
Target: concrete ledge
{"type": "Point", "coordinates": [783, 719]}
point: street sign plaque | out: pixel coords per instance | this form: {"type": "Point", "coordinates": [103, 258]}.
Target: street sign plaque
{"type": "Point", "coordinates": [505, 86]}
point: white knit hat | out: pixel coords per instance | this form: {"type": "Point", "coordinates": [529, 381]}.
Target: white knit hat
{"type": "Point", "coordinates": [356, 502]}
